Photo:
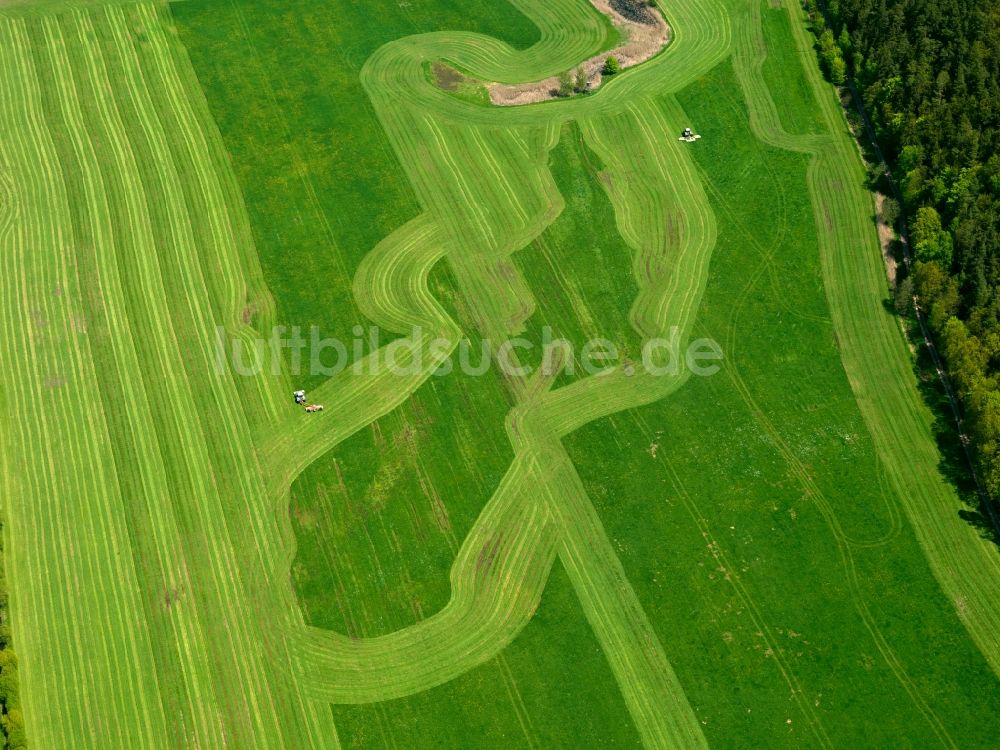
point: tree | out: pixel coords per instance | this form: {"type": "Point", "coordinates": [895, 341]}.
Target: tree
{"type": "Point", "coordinates": [965, 355]}
{"type": "Point", "coordinates": [927, 74]}
{"type": "Point", "coordinates": [903, 297]}
{"type": "Point", "coordinates": [930, 241]}
{"type": "Point", "coordinates": [945, 306]}
{"type": "Point", "coordinates": [611, 66]}
{"type": "Point", "coordinates": [890, 211]}
{"type": "Point", "coordinates": [565, 84]}
{"type": "Point", "coordinates": [909, 159]}
{"type": "Point", "coordinates": [844, 42]}
{"type": "Point", "coordinates": [937, 292]}
{"type": "Point", "coordinates": [929, 279]}
{"type": "Point", "coordinates": [832, 58]}
{"type": "Point", "coordinates": [984, 423]}
{"type": "Point", "coordinates": [13, 726]}
{"type": "Point", "coordinates": [838, 70]}
{"type": "Point", "coordinates": [582, 80]}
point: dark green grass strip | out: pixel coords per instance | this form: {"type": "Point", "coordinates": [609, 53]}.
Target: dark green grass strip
{"type": "Point", "coordinates": [782, 70]}
{"type": "Point", "coordinates": [580, 269]}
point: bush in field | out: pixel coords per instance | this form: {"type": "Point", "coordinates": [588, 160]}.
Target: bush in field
{"type": "Point", "coordinates": [890, 211]}
{"type": "Point", "coordinates": [611, 66]}
{"type": "Point", "coordinates": [565, 84]}
{"type": "Point", "coordinates": [903, 297]}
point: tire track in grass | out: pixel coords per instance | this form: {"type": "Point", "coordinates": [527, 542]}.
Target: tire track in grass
{"type": "Point", "coordinates": [43, 316]}
{"type": "Point", "coordinates": [102, 230]}
{"type": "Point", "coordinates": [732, 576]}
{"type": "Point", "coordinates": [732, 348]}
{"type": "Point", "coordinates": [264, 553]}
{"type": "Point", "coordinates": [144, 319]}
{"type": "Point", "coordinates": [512, 542]}
{"type": "Point", "coordinates": [610, 614]}
{"type": "Point", "coordinates": [192, 443]}
{"type": "Point", "coordinates": [152, 318]}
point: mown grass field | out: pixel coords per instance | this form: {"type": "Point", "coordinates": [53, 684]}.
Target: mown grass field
{"type": "Point", "coordinates": [768, 557]}
{"type": "Point", "coordinates": [765, 622]}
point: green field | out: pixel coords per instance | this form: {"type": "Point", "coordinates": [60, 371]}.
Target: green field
{"type": "Point", "coordinates": [768, 557]}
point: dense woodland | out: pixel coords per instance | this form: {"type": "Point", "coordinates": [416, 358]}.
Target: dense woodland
{"type": "Point", "coordinates": [929, 74]}
{"type": "Point", "coordinates": [11, 722]}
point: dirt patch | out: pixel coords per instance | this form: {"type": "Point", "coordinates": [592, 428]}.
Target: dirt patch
{"type": "Point", "coordinates": [487, 555]}
{"type": "Point", "coordinates": [634, 10]}
{"type": "Point", "coordinates": [645, 30]}
{"type": "Point", "coordinates": [962, 607]}
{"type": "Point", "coordinates": [446, 77]}
{"type": "Point", "coordinates": [455, 83]}
{"type": "Point", "coordinates": [172, 595]}
{"type": "Point", "coordinates": [886, 236]}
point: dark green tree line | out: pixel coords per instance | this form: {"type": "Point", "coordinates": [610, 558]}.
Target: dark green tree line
{"type": "Point", "coordinates": [11, 721]}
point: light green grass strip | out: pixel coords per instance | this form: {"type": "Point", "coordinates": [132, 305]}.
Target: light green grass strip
{"type": "Point", "coordinates": [143, 598]}
{"type": "Point", "coordinates": [68, 547]}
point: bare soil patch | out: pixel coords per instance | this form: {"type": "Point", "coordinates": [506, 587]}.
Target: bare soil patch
{"type": "Point", "coordinates": [886, 235]}
{"type": "Point", "coordinates": [634, 10]}
{"type": "Point", "coordinates": [447, 77]}
{"type": "Point", "coordinates": [646, 34]}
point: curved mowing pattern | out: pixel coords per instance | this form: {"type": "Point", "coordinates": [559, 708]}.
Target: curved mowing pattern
{"type": "Point", "coordinates": [150, 544]}
{"type": "Point", "coordinates": [487, 193]}
{"type": "Point", "coordinates": [149, 535]}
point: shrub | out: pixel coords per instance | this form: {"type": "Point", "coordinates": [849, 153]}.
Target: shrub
{"type": "Point", "coordinates": [565, 84]}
